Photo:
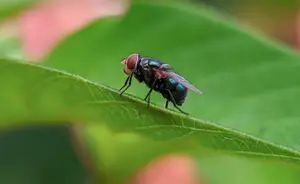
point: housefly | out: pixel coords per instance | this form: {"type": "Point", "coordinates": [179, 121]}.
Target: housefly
{"type": "Point", "coordinates": [158, 76]}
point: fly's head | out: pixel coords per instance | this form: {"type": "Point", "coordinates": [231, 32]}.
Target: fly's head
{"type": "Point", "coordinates": [130, 63]}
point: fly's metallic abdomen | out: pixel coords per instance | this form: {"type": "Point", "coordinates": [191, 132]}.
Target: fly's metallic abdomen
{"type": "Point", "coordinates": [178, 91]}
{"type": "Point", "coordinates": [170, 88]}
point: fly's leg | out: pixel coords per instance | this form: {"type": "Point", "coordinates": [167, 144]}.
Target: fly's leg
{"type": "Point", "coordinates": [149, 93]}
{"type": "Point", "coordinates": [174, 102]}
{"type": "Point", "coordinates": [128, 80]}
{"type": "Point", "coordinates": [167, 103]}
{"type": "Point", "coordinates": [152, 86]}
{"type": "Point", "coordinates": [148, 101]}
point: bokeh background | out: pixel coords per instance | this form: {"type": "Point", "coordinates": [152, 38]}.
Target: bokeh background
{"type": "Point", "coordinates": [46, 154]}
{"type": "Point", "coordinates": [275, 18]}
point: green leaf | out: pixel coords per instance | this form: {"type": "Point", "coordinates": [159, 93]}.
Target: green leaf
{"type": "Point", "coordinates": [250, 84]}
{"type": "Point", "coordinates": [9, 7]}
{"type": "Point", "coordinates": [33, 95]}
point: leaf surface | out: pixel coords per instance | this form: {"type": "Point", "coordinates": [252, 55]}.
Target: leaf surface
{"type": "Point", "coordinates": [244, 78]}
{"type": "Point", "coordinates": [250, 83]}
{"type": "Point", "coordinates": [67, 97]}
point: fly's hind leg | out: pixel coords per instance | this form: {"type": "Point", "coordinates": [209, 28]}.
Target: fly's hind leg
{"type": "Point", "coordinates": [174, 102]}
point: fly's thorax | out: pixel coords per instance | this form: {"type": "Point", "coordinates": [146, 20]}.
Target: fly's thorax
{"type": "Point", "coordinates": [154, 63]}
{"type": "Point", "coordinates": [151, 62]}
{"type": "Point", "coordinates": [144, 70]}
{"type": "Point", "coordinates": [138, 76]}
{"type": "Point", "coordinates": [144, 63]}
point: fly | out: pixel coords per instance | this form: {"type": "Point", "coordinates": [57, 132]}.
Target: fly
{"type": "Point", "coordinates": [158, 76]}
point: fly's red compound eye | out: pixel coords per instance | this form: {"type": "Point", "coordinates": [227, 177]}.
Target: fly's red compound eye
{"type": "Point", "coordinates": [131, 61]}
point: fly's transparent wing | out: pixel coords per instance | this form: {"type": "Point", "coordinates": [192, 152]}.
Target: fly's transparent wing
{"type": "Point", "coordinates": [184, 82]}
{"type": "Point", "coordinates": [162, 71]}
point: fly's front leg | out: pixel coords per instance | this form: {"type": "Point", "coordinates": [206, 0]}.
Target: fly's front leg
{"type": "Point", "coordinates": [126, 82]}
{"type": "Point", "coordinates": [129, 84]}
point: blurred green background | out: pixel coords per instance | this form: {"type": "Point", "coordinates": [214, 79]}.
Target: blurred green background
{"type": "Point", "coordinates": [47, 154]}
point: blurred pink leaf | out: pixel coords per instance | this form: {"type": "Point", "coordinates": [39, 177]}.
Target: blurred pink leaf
{"type": "Point", "coordinates": [41, 27]}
